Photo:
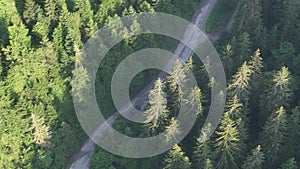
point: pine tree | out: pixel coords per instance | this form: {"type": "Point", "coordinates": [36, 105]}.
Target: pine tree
{"type": "Point", "coordinates": [79, 83]}
{"type": "Point", "coordinates": [290, 164]}
{"type": "Point", "coordinates": [51, 9]}
{"type": "Point", "coordinates": [174, 82]}
{"type": "Point", "coordinates": [291, 148]}
{"type": "Point", "coordinates": [280, 92]}
{"type": "Point", "coordinates": [31, 12]}
{"type": "Point", "coordinates": [238, 113]}
{"type": "Point", "coordinates": [86, 16]}
{"type": "Point", "coordinates": [19, 41]}
{"type": "Point", "coordinates": [249, 19]}
{"type": "Point", "coordinates": [227, 144]}
{"type": "Point", "coordinates": [240, 83]}
{"type": "Point", "coordinates": [243, 49]}
{"type": "Point", "coordinates": [255, 159]}
{"type": "Point", "coordinates": [175, 159]}
{"type": "Point", "coordinates": [203, 151]}
{"type": "Point", "coordinates": [273, 136]}
{"type": "Point", "coordinates": [195, 100]}
{"type": "Point", "coordinates": [172, 130]}
{"type": "Point", "coordinates": [256, 62]}
{"type": "Point", "coordinates": [289, 20]}
{"type": "Point", "coordinates": [227, 60]}
{"type": "Point", "coordinates": [157, 110]}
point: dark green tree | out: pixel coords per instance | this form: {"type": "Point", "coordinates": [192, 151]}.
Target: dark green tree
{"type": "Point", "coordinates": [290, 164]}
{"type": "Point", "coordinates": [255, 159]}
{"type": "Point", "coordinates": [274, 135]}
{"type": "Point", "coordinates": [203, 153]}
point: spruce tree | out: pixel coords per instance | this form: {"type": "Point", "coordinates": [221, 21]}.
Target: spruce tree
{"type": "Point", "coordinates": [291, 148]}
{"type": "Point", "coordinates": [176, 159]}
{"type": "Point", "coordinates": [273, 136]}
{"type": "Point", "coordinates": [203, 152]}
{"type": "Point", "coordinates": [51, 9]}
{"type": "Point", "coordinates": [174, 81]}
{"type": "Point", "coordinates": [30, 12]}
{"type": "Point", "coordinates": [195, 99]}
{"type": "Point", "coordinates": [227, 144]}
{"type": "Point", "coordinates": [157, 110]}
{"type": "Point", "coordinates": [280, 92]}
{"type": "Point", "coordinates": [172, 130]}
{"type": "Point", "coordinates": [290, 164]}
{"type": "Point", "coordinates": [254, 160]}
{"type": "Point", "coordinates": [240, 83]}
{"type": "Point", "coordinates": [227, 59]}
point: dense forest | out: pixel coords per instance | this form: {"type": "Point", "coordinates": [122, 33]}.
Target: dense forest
{"type": "Point", "coordinates": [41, 43]}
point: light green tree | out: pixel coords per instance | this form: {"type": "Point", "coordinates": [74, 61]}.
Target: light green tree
{"type": "Point", "coordinates": [176, 159]}
{"type": "Point", "coordinates": [227, 144]}
{"type": "Point", "coordinates": [280, 92]}
{"type": "Point", "coordinates": [157, 110]}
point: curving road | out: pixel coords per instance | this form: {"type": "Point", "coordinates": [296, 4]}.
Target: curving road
{"type": "Point", "coordinates": [82, 158]}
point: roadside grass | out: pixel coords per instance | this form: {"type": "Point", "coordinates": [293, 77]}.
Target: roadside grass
{"type": "Point", "coordinates": [220, 15]}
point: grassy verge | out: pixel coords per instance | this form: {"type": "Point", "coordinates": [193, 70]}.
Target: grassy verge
{"type": "Point", "coordinates": [220, 15]}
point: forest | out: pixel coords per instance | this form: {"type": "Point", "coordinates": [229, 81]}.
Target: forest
{"type": "Point", "coordinates": [40, 46]}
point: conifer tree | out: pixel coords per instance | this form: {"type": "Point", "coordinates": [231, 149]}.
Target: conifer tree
{"type": "Point", "coordinates": [240, 83]}
{"type": "Point", "coordinates": [227, 144]}
{"type": "Point", "coordinates": [195, 100]}
{"type": "Point", "coordinates": [176, 159]}
{"type": "Point", "coordinates": [172, 130]}
{"type": "Point", "coordinates": [273, 136]}
{"type": "Point", "coordinates": [290, 164]}
{"type": "Point", "coordinates": [255, 159]}
{"type": "Point", "coordinates": [256, 62]}
{"type": "Point", "coordinates": [203, 152]}
{"type": "Point", "coordinates": [291, 148]}
{"type": "Point", "coordinates": [51, 9]}
{"type": "Point", "coordinates": [227, 60]}
{"type": "Point", "coordinates": [31, 12]}
{"type": "Point", "coordinates": [243, 49]}
{"type": "Point", "coordinates": [157, 110]}
{"type": "Point", "coordinates": [41, 131]}
{"type": "Point", "coordinates": [174, 82]}
{"type": "Point", "coordinates": [249, 19]}
{"type": "Point", "coordinates": [19, 41]}
{"type": "Point", "coordinates": [280, 92]}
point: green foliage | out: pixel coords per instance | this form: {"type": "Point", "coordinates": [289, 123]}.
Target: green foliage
{"type": "Point", "coordinates": [41, 44]}
{"type": "Point", "coordinates": [255, 159]}
{"type": "Point", "coordinates": [240, 83]}
{"type": "Point", "coordinates": [220, 15]}
{"type": "Point", "coordinates": [274, 136]}
{"type": "Point", "coordinates": [227, 144]}
{"type": "Point", "coordinates": [290, 164]}
{"type": "Point", "coordinates": [203, 151]}
{"type": "Point", "coordinates": [157, 106]}
{"type": "Point", "coordinates": [175, 159]}
{"type": "Point", "coordinates": [19, 41]}
{"type": "Point", "coordinates": [280, 93]}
